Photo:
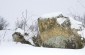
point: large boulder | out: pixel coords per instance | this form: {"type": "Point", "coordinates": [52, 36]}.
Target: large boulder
{"type": "Point", "coordinates": [56, 32]}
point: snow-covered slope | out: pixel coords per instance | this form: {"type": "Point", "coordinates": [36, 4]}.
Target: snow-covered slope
{"type": "Point", "coordinates": [6, 36]}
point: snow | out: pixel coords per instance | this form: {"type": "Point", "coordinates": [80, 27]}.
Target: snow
{"type": "Point", "coordinates": [6, 36]}
{"type": "Point", "coordinates": [20, 49]}
{"type": "Point", "coordinates": [20, 31]}
{"type": "Point", "coordinates": [60, 20]}
{"type": "Point", "coordinates": [82, 33]}
{"type": "Point", "coordinates": [75, 24]}
{"type": "Point", "coordinates": [50, 15]}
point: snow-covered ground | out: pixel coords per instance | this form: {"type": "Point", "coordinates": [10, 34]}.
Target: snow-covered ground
{"type": "Point", "coordinates": [9, 47]}
{"type": "Point", "coordinates": [20, 49]}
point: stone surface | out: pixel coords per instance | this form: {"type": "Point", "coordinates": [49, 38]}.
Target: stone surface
{"type": "Point", "coordinates": [57, 35]}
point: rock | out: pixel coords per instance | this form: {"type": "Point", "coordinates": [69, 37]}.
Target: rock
{"type": "Point", "coordinates": [37, 40]}
{"type": "Point", "coordinates": [18, 37]}
{"type": "Point", "coordinates": [83, 40]}
{"type": "Point", "coordinates": [58, 35]}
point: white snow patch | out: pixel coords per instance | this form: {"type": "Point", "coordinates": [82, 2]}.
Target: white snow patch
{"type": "Point", "coordinates": [82, 33]}
{"type": "Point", "coordinates": [31, 41]}
{"type": "Point", "coordinates": [6, 36]}
{"type": "Point", "coordinates": [60, 20]}
{"type": "Point", "coordinates": [50, 15]}
{"type": "Point", "coordinates": [75, 24]}
{"type": "Point", "coordinates": [20, 30]}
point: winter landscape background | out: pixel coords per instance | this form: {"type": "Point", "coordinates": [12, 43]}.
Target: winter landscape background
{"type": "Point", "coordinates": [14, 11]}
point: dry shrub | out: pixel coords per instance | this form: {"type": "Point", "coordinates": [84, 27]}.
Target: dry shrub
{"type": "Point", "coordinates": [3, 23]}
